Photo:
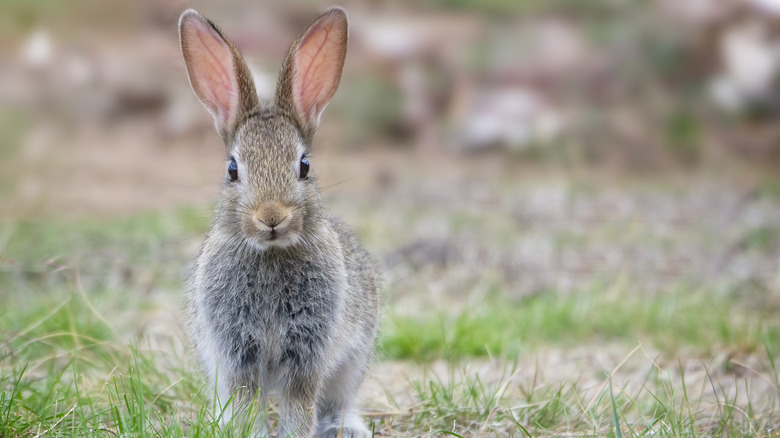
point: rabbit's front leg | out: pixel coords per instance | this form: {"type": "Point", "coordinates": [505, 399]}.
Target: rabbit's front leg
{"type": "Point", "coordinates": [338, 416]}
{"type": "Point", "coordinates": [237, 394]}
{"type": "Point", "coordinates": [297, 406]}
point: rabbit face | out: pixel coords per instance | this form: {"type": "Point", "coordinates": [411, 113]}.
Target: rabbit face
{"type": "Point", "coordinates": [272, 188]}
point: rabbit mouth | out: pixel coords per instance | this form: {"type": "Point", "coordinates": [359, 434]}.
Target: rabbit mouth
{"type": "Point", "coordinates": [279, 237]}
{"type": "Point", "coordinates": [263, 235]}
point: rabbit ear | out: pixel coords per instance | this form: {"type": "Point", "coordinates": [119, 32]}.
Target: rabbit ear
{"type": "Point", "coordinates": [217, 71]}
{"type": "Point", "coordinates": [311, 72]}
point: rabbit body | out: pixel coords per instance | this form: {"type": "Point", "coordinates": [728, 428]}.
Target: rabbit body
{"type": "Point", "coordinates": [287, 321]}
{"type": "Point", "coordinates": [283, 299]}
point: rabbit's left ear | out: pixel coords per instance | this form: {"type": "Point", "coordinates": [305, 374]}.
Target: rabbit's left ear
{"type": "Point", "coordinates": [311, 72]}
{"type": "Point", "coordinates": [217, 71]}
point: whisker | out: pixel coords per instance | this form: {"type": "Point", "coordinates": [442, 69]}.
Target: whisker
{"type": "Point", "coordinates": [359, 175]}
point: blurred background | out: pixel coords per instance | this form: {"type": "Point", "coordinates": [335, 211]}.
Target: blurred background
{"type": "Point", "coordinates": [97, 115]}
{"type": "Point", "coordinates": [520, 148]}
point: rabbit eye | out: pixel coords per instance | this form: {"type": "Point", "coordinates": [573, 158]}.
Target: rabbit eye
{"type": "Point", "coordinates": [303, 168]}
{"type": "Point", "coordinates": [233, 169]}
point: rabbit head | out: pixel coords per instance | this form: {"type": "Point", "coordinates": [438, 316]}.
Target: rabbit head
{"type": "Point", "coordinates": [270, 197]}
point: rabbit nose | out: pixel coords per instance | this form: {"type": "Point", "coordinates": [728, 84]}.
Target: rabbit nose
{"type": "Point", "coordinates": [272, 216]}
{"type": "Point", "coordinates": [273, 222]}
{"type": "Point", "coordinates": [270, 223]}
{"type": "Point", "coordinates": [259, 221]}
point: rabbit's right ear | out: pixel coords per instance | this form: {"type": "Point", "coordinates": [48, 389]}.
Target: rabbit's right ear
{"type": "Point", "coordinates": [311, 72]}
{"type": "Point", "coordinates": [217, 71]}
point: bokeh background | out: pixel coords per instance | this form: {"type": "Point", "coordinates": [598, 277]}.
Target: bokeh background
{"type": "Point", "coordinates": [98, 116]}
{"type": "Point", "coordinates": [549, 179]}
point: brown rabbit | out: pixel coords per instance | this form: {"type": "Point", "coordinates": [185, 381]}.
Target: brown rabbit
{"type": "Point", "coordinates": [283, 299]}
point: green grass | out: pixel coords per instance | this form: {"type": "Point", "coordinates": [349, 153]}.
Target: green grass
{"type": "Point", "coordinates": [138, 236]}
{"type": "Point", "coordinates": [678, 320]}
{"type": "Point", "coordinates": [117, 391]}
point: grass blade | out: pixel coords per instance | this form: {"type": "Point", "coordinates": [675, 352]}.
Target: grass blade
{"type": "Point", "coordinates": [618, 432]}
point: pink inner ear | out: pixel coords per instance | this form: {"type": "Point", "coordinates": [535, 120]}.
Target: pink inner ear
{"type": "Point", "coordinates": [318, 62]}
{"type": "Point", "coordinates": [211, 69]}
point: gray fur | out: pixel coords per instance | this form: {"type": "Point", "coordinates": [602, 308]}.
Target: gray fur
{"type": "Point", "coordinates": [296, 315]}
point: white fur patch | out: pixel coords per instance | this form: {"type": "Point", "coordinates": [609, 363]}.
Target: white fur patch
{"type": "Point", "coordinates": [282, 242]}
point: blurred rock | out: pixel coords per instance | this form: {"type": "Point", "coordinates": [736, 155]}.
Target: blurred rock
{"type": "Point", "coordinates": [512, 117]}
{"type": "Point", "coordinates": [750, 64]}
{"type": "Point", "coordinates": [38, 49]}
{"type": "Point", "coordinates": [767, 6]}
{"type": "Point", "coordinates": [736, 45]}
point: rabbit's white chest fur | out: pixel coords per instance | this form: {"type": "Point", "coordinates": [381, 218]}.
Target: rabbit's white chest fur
{"type": "Point", "coordinates": [261, 311]}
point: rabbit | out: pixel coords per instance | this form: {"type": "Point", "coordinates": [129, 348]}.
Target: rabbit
{"type": "Point", "coordinates": [283, 299]}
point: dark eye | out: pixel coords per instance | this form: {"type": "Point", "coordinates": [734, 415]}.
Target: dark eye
{"type": "Point", "coordinates": [233, 169]}
{"type": "Point", "coordinates": [303, 169]}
